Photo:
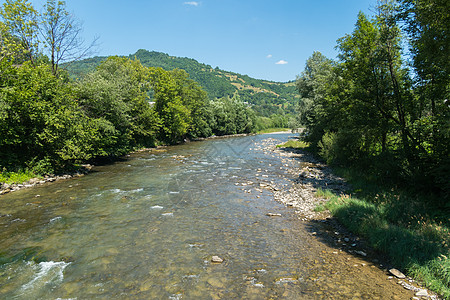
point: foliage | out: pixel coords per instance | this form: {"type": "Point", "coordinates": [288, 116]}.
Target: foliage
{"type": "Point", "coordinates": [273, 130]}
{"type": "Point", "coordinates": [295, 144]}
{"type": "Point", "coordinates": [232, 116]}
{"type": "Point", "coordinates": [365, 109]}
{"type": "Point", "coordinates": [16, 177]}
{"type": "Point", "coordinates": [181, 105]}
{"type": "Point", "coordinates": [41, 119]}
{"type": "Point", "coordinates": [21, 26]}
{"type": "Point", "coordinates": [115, 96]}
{"type": "Point", "coordinates": [312, 85]}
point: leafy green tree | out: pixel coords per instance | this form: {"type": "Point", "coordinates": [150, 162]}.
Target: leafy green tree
{"type": "Point", "coordinates": [116, 97]}
{"type": "Point", "coordinates": [313, 84]}
{"type": "Point", "coordinates": [41, 122]}
{"type": "Point", "coordinates": [195, 99]}
{"type": "Point", "coordinates": [428, 29]}
{"type": "Point", "coordinates": [20, 21]}
{"type": "Point", "coordinates": [174, 115]}
{"type": "Point", "coordinates": [232, 116]}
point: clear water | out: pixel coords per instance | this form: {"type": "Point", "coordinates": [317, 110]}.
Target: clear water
{"type": "Point", "coordinates": [147, 227]}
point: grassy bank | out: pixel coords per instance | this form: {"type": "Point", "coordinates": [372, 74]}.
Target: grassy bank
{"type": "Point", "coordinates": [16, 177]}
{"type": "Point", "coordinates": [272, 130]}
{"type": "Point", "coordinates": [296, 144]}
{"type": "Point", "coordinates": [411, 228]}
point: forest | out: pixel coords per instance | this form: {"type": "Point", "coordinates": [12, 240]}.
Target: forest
{"type": "Point", "coordinates": [51, 123]}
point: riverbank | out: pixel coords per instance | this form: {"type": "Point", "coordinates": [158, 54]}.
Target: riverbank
{"type": "Point", "coordinates": [320, 197]}
{"type": "Point", "coordinates": [6, 187]}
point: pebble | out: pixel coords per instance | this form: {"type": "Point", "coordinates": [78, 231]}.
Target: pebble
{"type": "Point", "coordinates": [422, 293]}
{"type": "Point", "coordinates": [273, 215]}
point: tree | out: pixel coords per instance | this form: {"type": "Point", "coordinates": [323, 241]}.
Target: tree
{"type": "Point", "coordinates": [61, 34]}
{"type": "Point", "coordinates": [232, 116]}
{"type": "Point", "coordinates": [312, 85]}
{"type": "Point", "coordinates": [427, 25]}
{"type": "Point", "coordinates": [428, 28]}
{"type": "Point", "coordinates": [40, 121]}
{"type": "Point", "coordinates": [195, 99]}
{"type": "Point", "coordinates": [20, 24]}
{"type": "Point", "coordinates": [116, 97]}
{"type": "Point", "coordinates": [174, 115]}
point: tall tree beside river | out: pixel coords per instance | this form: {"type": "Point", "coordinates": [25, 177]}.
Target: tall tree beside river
{"type": "Point", "coordinates": [370, 111]}
{"type": "Point", "coordinates": [115, 96]}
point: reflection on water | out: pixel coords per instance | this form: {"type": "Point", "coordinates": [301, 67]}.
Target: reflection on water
{"type": "Point", "coordinates": [147, 228]}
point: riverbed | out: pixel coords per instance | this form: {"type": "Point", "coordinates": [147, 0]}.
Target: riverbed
{"type": "Point", "coordinates": [147, 227]}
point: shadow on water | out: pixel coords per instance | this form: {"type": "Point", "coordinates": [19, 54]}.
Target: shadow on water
{"type": "Point", "coordinates": [26, 254]}
{"type": "Point", "coordinates": [392, 224]}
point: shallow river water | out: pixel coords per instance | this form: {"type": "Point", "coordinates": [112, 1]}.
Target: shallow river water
{"type": "Point", "coordinates": [147, 227]}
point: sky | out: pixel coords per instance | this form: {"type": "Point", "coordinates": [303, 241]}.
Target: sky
{"type": "Point", "coordinates": [265, 39]}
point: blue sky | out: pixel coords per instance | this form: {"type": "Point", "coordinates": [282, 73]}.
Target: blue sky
{"type": "Point", "coordinates": [265, 39]}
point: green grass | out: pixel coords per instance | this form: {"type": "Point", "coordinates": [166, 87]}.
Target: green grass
{"type": "Point", "coordinates": [296, 144]}
{"type": "Point", "coordinates": [16, 177]}
{"type": "Point", "coordinates": [412, 229]}
{"type": "Point", "coordinates": [271, 130]}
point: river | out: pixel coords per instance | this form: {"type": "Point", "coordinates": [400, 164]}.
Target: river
{"type": "Point", "coordinates": [147, 227]}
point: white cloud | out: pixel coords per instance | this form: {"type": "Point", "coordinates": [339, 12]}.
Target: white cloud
{"type": "Point", "coordinates": [269, 56]}
{"type": "Point", "coordinates": [281, 62]}
{"type": "Point", "coordinates": [193, 3]}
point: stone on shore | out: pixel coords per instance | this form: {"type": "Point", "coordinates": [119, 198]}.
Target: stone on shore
{"type": "Point", "coordinates": [422, 293]}
{"type": "Point", "coordinates": [397, 273]}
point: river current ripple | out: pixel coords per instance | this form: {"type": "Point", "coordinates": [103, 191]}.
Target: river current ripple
{"type": "Point", "coordinates": [147, 228]}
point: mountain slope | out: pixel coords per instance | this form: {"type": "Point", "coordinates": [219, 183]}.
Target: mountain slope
{"type": "Point", "coordinates": [267, 97]}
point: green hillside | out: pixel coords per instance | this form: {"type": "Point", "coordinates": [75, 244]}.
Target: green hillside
{"type": "Point", "coordinates": [267, 97]}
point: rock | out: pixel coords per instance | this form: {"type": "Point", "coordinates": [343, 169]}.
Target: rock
{"type": "Point", "coordinates": [362, 253]}
{"type": "Point", "coordinates": [422, 293]}
{"type": "Point", "coordinates": [273, 215]}
{"type": "Point", "coordinates": [216, 259]}
{"type": "Point", "coordinates": [397, 273]}
{"type": "Point", "coordinates": [5, 191]}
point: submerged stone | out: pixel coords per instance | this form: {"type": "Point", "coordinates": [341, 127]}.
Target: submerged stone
{"type": "Point", "coordinates": [216, 259]}
{"type": "Point", "coordinates": [273, 215]}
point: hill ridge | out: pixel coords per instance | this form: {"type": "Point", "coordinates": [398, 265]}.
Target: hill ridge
{"type": "Point", "coordinates": [268, 97]}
